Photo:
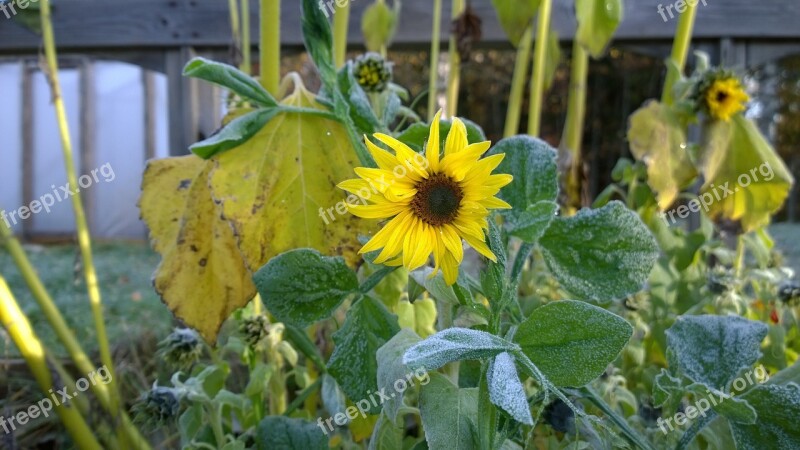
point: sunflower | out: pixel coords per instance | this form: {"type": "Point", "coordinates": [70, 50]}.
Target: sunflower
{"type": "Point", "coordinates": [431, 202]}
{"type": "Point", "coordinates": [725, 97]}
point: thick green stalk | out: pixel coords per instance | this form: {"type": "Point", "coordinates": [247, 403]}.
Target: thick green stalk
{"type": "Point", "coordinates": [64, 333]}
{"type": "Point", "coordinates": [539, 66]}
{"type": "Point", "coordinates": [270, 45]}
{"type": "Point", "coordinates": [487, 413]}
{"type": "Point", "coordinates": [454, 77]}
{"type": "Point", "coordinates": [680, 49]}
{"type": "Point", "coordinates": [84, 239]}
{"type": "Point", "coordinates": [247, 63]}
{"type": "Point", "coordinates": [436, 42]}
{"type": "Point", "coordinates": [518, 84]}
{"type": "Point", "coordinates": [20, 331]}
{"type": "Point", "coordinates": [576, 112]}
{"type": "Point", "coordinates": [341, 22]}
{"type": "Point", "coordinates": [233, 10]}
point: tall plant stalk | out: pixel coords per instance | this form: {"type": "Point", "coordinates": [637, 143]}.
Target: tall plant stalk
{"type": "Point", "coordinates": [270, 45]}
{"type": "Point", "coordinates": [454, 77]}
{"type": "Point", "coordinates": [341, 23]}
{"type": "Point", "coordinates": [84, 239]}
{"type": "Point", "coordinates": [247, 63]}
{"type": "Point", "coordinates": [233, 12]}
{"type": "Point", "coordinates": [518, 83]}
{"type": "Point", "coordinates": [539, 66]}
{"type": "Point", "coordinates": [576, 113]}
{"type": "Point", "coordinates": [20, 331]}
{"type": "Point", "coordinates": [436, 42]}
{"type": "Point", "coordinates": [65, 334]}
{"type": "Point", "coordinates": [680, 50]}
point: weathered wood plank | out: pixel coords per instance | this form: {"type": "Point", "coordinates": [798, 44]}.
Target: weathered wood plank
{"type": "Point", "coordinates": [104, 24]}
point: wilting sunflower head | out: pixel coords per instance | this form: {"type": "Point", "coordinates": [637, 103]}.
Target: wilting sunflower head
{"type": "Point", "coordinates": [372, 72]}
{"type": "Point", "coordinates": [722, 95]}
{"type": "Point", "coordinates": [430, 202]}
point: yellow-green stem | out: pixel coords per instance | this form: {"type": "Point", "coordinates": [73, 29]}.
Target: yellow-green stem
{"type": "Point", "coordinates": [539, 66]}
{"type": "Point", "coordinates": [247, 62]}
{"type": "Point", "coordinates": [680, 49]}
{"type": "Point", "coordinates": [270, 45]}
{"type": "Point", "coordinates": [20, 331]}
{"type": "Point", "coordinates": [436, 43]}
{"type": "Point", "coordinates": [740, 254]}
{"type": "Point", "coordinates": [518, 84]}
{"type": "Point", "coordinates": [576, 112]}
{"type": "Point", "coordinates": [233, 10]}
{"type": "Point", "coordinates": [84, 239]}
{"type": "Point", "coordinates": [454, 77]}
{"type": "Point", "coordinates": [341, 22]}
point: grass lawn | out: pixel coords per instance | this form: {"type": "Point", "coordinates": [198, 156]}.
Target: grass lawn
{"type": "Point", "coordinates": [132, 308]}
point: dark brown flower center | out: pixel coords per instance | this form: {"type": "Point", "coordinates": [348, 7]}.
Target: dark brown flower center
{"type": "Point", "coordinates": [722, 96]}
{"type": "Point", "coordinates": [437, 200]}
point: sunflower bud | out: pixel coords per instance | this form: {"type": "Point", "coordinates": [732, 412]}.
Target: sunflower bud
{"type": "Point", "coordinates": [254, 329]}
{"type": "Point", "coordinates": [719, 93]}
{"type": "Point", "coordinates": [372, 72]}
{"type": "Point", "coordinates": [157, 407]}
{"type": "Point", "coordinates": [181, 348]}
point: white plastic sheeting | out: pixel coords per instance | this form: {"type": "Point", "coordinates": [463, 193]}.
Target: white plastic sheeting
{"type": "Point", "coordinates": [119, 147]}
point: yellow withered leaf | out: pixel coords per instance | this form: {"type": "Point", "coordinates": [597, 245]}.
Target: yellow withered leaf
{"type": "Point", "coordinates": [279, 188]}
{"type": "Point", "coordinates": [202, 276]}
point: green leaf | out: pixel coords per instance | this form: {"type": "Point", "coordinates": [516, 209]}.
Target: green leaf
{"type": "Point", "coordinates": [448, 414]}
{"type": "Point", "coordinates": [332, 396]}
{"type": "Point", "coordinates": [778, 407]}
{"type": "Point", "coordinates": [572, 342]}
{"type": "Point", "coordinates": [506, 390]}
{"type": "Point", "coordinates": [666, 389]}
{"type": "Point", "coordinates": [553, 59]}
{"type": "Point", "coordinates": [378, 24]}
{"type": "Point", "coordinates": [455, 344]}
{"type": "Point", "coordinates": [435, 286]}
{"type": "Point", "coordinates": [360, 108]}
{"type": "Point", "coordinates": [713, 349]}
{"type": "Point", "coordinates": [516, 16]}
{"type": "Point", "coordinates": [235, 133]}
{"type": "Point", "coordinates": [531, 225]}
{"type": "Point", "coordinates": [658, 139]}
{"type": "Point", "coordinates": [739, 158]}
{"type": "Point", "coordinates": [386, 435]}
{"type": "Point", "coordinates": [289, 434]}
{"type": "Point", "coordinates": [597, 22]}
{"type": "Point", "coordinates": [353, 363]}
{"type": "Point", "coordinates": [417, 134]}
{"type": "Point", "coordinates": [600, 254]}
{"type": "Point", "coordinates": [735, 409]}
{"type": "Point", "coordinates": [493, 279]}
{"type": "Point", "coordinates": [302, 286]}
{"type": "Point", "coordinates": [318, 40]}
{"type": "Point", "coordinates": [230, 77]}
{"type": "Point", "coordinates": [391, 368]}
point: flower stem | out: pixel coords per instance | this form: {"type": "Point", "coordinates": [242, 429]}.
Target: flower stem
{"type": "Point", "coordinates": [518, 83]}
{"type": "Point", "coordinates": [20, 331]}
{"type": "Point", "coordinates": [270, 45]}
{"type": "Point", "coordinates": [341, 22]}
{"type": "Point", "coordinates": [84, 239]}
{"type": "Point", "coordinates": [680, 49]}
{"type": "Point", "coordinates": [539, 66]}
{"type": "Point", "coordinates": [576, 112]}
{"type": "Point", "coordinates": [436, 42]}
{"type": "Point", "coordinates": [233, 10]}
{"type": "Point", "coordinates": [632, 436]}
{"type": "Point", "coordinates": [454, 77]}
{"type": "Point", "coordinates": [247, 65]}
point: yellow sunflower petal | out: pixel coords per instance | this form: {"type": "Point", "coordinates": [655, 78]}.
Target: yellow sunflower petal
{"type": "Point", "coordinates": [480, 246]}
{"type": "Point", "coordinates": [494, 203]}
{"type": "Point", "coordinates": [394, 244]}
{"type": "Point", "coordinates": [450, 269]}
{"type": "Point", "coordinates": [452, 242]}
{"type": "Point", "coordinates": [407, 157]}
{"type": "Point", "coordinates": [383, 159]}
{"type": "Point", "coordinates": [382, 237]}
{"type": "Point", "coordinates": [379, 211]}
{"type": "Point", "coordinates": [456, 139]}
{"type": "Point", "coordinates": [432, 148]}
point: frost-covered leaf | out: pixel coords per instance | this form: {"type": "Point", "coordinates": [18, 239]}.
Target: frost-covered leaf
{"type": "Point", "coordinates": [386, 435]}
{"type": "Point", "coordinates": [231, 78]}
{"type": "Point", "coordinates": [202, 276]}
{"type": "Point", "coordinates": [454, 344]}
{"type": "Point", "coordinates": [735, 409]}
{"type": "Point", "coordinates": [600, 254]}
{"type": "Point", "coordinates": [449, 414]}
{"type": "Point", "coordinates": [597, 22]}
{"type": "Point", "coordinates": [391, 368]}
{"type": "Point", "coordinates": [659, 140]}
{"type": "Point", "coordinates": [278, 189]}
{"type": "Point", "coordinates": [532, 162]}
{"type": "Point", "coordinates": [360, 108]}
{"type": "Point", "coordinates": [235, 133]}
{"type": "Point", "coordinates": [302, 286]}
{"type": "Point", "coordinates": [353, 363]}
{"type": "Point", "coordinates": [332, 396]}
{"type": "Point", "coordinates": [289, 434]}
{"type": "Point", "coordinates": [713, 349]}
{"type": "Point", "coordinates": [572, 342]}
{"type": "Point", "coordinates": [778, 407]}
{"type": "Point", "coordinates": [318, 40]}
{"type": "Point", "coordinates": [531, 225]}
{"type": "Point", "coordinates": [666, 389]}
{"type": "Point", "coordinates": [738, 157]}
{"type": "Point", "coordinates": [505, 389]}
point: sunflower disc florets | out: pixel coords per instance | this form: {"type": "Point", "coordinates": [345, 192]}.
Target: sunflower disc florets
{"type": "Point", "coordinates": [719, 94]}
